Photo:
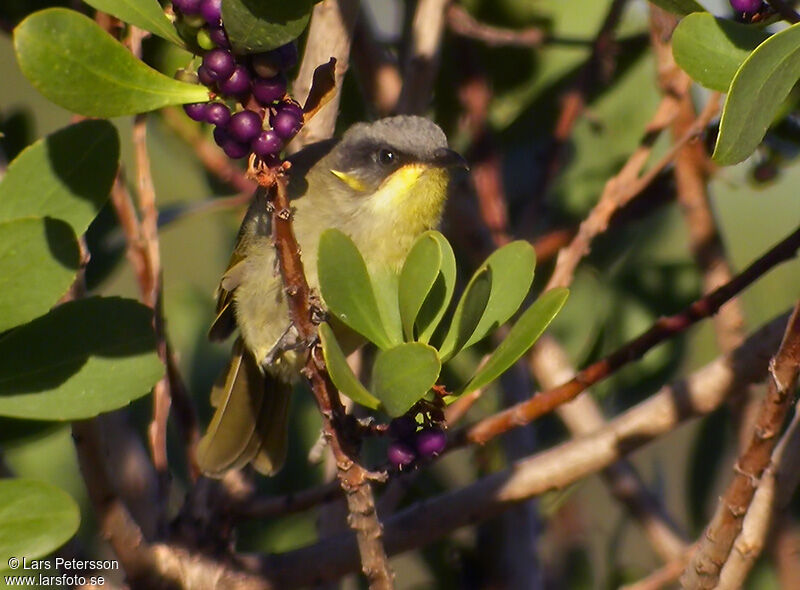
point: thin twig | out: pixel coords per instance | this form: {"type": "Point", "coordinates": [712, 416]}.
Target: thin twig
{"type": "Point", "coordinates": [661, 330]}
{"type": "Point", "coordinates": [628, 184]}
{"type": "Point", "coordinates": [717, 541]}
{"type": "Point", "coordinates": [353, 478]}
{"type": "Point", "coordinates": [663, 577]}
{"type": "Point", "coordinates": [463, 23]}
{"type": "Point", "coordinates": [698, 394]}
{"type": "Point", "coordinates": [785, 10]}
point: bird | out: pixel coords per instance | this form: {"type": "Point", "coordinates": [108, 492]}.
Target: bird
{"type": "Point", "coordinates": [383, 184]}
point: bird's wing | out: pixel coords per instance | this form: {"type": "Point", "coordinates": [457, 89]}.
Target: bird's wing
{"type": "Point", "coordinates": [225, 321]}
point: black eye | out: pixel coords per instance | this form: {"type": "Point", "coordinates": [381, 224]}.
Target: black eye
{"type": "Point", "coordinates": [386, 157]}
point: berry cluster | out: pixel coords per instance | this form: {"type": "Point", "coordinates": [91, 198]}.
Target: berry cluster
{"type": "Point", "coordinates": [256, 83]}
{"type": "Point", "coordinates": [412, 443]}
{"type": "Point", "coordinates": [746, 6]}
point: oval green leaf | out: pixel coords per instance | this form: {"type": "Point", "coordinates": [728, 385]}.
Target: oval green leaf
{"type": "Point", "coordinates": [254, 26]}
{"type": "Point", "coordinates": [520, 338]}
{"type": "Point", "coordinates": [67, 175]}
{"type": "Point", "coordinates": [77, 65]}
{"type": "Point", "coordinates": [512, 268]}
{"type": "Point", "coordinates": [341, 374]}
{"type": "Point", "coordinates": [145, 14]}
{"type": "Point", "coordinates": [417, 278]}
{"type": "Point", "coordinates": [346, 287]}
{"type": "Point", "coordinates": [35, 519]}
{"type": "Point", "coordinates": [435, 305]}
{"type": "Point", "coordinates": [681, 7]}
{"type": "Point", "coordinates": [468, 313]}
{"type": "Point", "coordinates": [756, 93]}
{"type": "Point", "coordinates": [83, 358]}
{"type": "Point", "coordinates": [712, 49]}
{"type": "Point", "coordinates": [402, 375]}
{"type": "Point", "coordinates": [38, 262]}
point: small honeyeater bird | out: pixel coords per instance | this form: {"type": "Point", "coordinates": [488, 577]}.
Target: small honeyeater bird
{"type": "Point", "coordinates": [382, 184]}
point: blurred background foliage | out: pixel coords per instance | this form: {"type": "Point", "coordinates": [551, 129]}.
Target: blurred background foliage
{"type": "Point", "coordinates": [639, 271]}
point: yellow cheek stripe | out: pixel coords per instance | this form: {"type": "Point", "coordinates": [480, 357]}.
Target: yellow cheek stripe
{"type": "Point", "coordinates": [351, 181]}
{"type": "Point", "coordinates": [397, 185]}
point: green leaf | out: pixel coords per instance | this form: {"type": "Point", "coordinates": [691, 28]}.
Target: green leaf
{"type": "Point", "coordinates": [35, 519]}
{"type": "Point", "coordinates": [402, 375]}
{"type": "Point", "coordinates": [512, 269]}
{"type": "Point", "coordinates": [83, 358]}
{"type": "Point", "coordinates": [417, 278]}
{"type": "Point", "coordinates": [681, 7]}
{"type": "Point", "coordinates": [520, 338]}
{"type": "Point", "coordinates": [67, 175]}
{"type": "Point", "coordinates": [347, 289]}
{"type": "Point", "coordinates": [254, 26]}
{"type": "Point", "coordinates": [145, 14]}
{"type": "Point", "coordinates": [340, 372]}
{"type": "Point", "coordinates": [77, 65]}
{"type": "Point", "coordinates": [38, 262]}
{"type": "Point", "coordinates": [435, 305]}
{"type": "Point", "coordinates": [756, 93]}
{"type": "Point", "coordinates": [711, 49]}
{"type": "Point", "coordinates": [468, 313]}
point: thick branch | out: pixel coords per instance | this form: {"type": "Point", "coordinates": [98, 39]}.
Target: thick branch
{"type": "Point", "coordinates": [426, 521]}
{"type": "Point", "coordinates": [662, 330]}
{"type": "Point", "coordinates": [714, 547]}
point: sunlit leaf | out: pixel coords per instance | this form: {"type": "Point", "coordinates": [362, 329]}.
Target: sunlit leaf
{"type": "Point", "coordinates": [680, 7]}
{"type": "Point", "coordinates": [468, 313]}
{"type": "Point", "coordinates": [756, 93]}
{"type": "Point", "coordinates": [403, 374]}
{"type": "Point", "coordinates": [67, 175]}
{"type": "Point", "coordinates": [435, 304]}
{"type": "Point", "coordinates": [520, 338]}
{"type": "Point", "coordinates": [323, 89]}
{"type": "Point", "coordinates": [35, 519]}
{"type": "Point", "coordinates": [346, 287]}
{"type": "Point", "coordinates": [711, 49]}
{"type": "Point", "coordinates": [77, 65]}
{"type": "Point", "coordinates": [38, 262]}
{"type": "Point", "coordinates": [82, 358]}
{"type": "Point", "coordinates": [145, 14]}
{"type": "Point", "coordinates": [254, 26]}
{"type": "Point", "coordinates": [341, 373]}
{"type": "Point", "coordinates": [416, 279]}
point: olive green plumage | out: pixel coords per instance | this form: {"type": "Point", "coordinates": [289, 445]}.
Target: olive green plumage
{"type": "Point", "coordinates": [383, 184]}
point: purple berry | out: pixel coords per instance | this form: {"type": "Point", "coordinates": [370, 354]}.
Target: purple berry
{"type": "Point", "coordinates": [238, 84]}
{"type": "Point", "coordinates": [218, 114]}
{"type": "Point", "coordinates": [403, 427]}
{"type": "Point", "coordinates": [244, 126]}
{"type": "Point", "coordinates": [219, 37]}
{"type": "Point", "coordinates": [268, 91]}
{"type": "Point", "coordinates": [267, 144]}
{"type": "Point", "coordinates": [196, 111]}
{"type": "Point", "coordinates": [235, 150]}
{"type": "Point", "coordinates": [746, 6]}
{"type": "Point", "coordinates": [286, 121]}
{"type": "Point", "coordinates": [221, 135]}
{"type": "Point", "coordinates": [212, 11]}
{"type": "Point", "coordinates": [205, 76]}
{"type": "Point", "coordinates": [287, 54]}
{"type": "Point", "coordinates": [430, 442]}
{"type": "Point", "coordinates": [400, 454]}
{"type": "Point", "coordinates": [219, 63]}
{"type": "Point", "coordinates": [187, 6]}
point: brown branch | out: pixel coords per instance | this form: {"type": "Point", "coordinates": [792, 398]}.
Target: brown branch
{"type": "Point", "coordinates": [329, 35]}
{"type": "Point", "coordinates": [661, 330]}
{"type": "Point", "coordinates": [464, 24]}
{"type": "Point", "coordinates": [626, 185]}
{"type": "Point", "coordinates": [375, 69]}
{"type": "Point", "coordinates": [211, 157]}
{"type": "Point", "coordinates": [420, 524]}
{"type": "Point", "coordinates": [785, 10]}
{"type": "Point", "coordinates": [422, 63]}
{"type": "Point", "coordinates": [716, 543]}
{"type": "Point", "coordinates": [353, 478]}
{"type": "Point", "coordinates": [663, 577]}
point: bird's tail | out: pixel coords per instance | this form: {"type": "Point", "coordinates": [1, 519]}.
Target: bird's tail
{"type": "Point", "coordinates": [251, 419]}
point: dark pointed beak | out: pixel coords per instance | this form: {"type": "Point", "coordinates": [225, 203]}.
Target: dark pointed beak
{"type": "Point", "coordinates": [447, 158]}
